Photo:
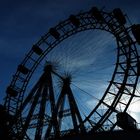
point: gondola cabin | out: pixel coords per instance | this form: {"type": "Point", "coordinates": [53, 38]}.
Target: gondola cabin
{"type": "Point", "coordinates": [96, 14]}
{"type": "Point", "coordinates": [118, 14]}
{"type": "Point", "coordinates": [23, 69]}
{"type": "Point", "coordinates": [54, 33]}
{"type": "Point", "coordinates": [37, 50]}
{"type": "Point", "coordinates": [75, 21]}
{"type": "Point", "coordinates": [11, 91]}
{"type": "Point", "coordinates": [126, 122]}
{"type": "Point", "coordinates": [136, 32]}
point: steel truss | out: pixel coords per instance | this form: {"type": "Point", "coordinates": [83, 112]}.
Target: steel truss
{"type": "Point", "coordinates": [118, 88]}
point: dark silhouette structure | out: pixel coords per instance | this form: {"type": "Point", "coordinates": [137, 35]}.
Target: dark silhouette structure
{"type": "Point", "coordinates": [42, 113]}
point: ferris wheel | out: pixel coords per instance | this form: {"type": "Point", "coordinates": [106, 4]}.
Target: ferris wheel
{"type": "Point", "coordinates": [71, 81]}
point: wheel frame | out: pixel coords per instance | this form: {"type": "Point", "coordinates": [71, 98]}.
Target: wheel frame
{"type": "Point", "coordinates": [126, 51]}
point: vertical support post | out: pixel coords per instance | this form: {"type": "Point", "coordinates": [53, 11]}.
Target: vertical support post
{"type": "Point", "coordinates": [75, 111]}
{"type": "Point", "coordinates": [48, 89]}
{"type": "Point", "coordinates": [75, 114]}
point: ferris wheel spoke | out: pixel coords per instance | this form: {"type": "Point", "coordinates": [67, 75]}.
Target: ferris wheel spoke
{"type": "Point", "coordinates": [86, 64]}
{"type": "Point", "coordinates": [87, 93]}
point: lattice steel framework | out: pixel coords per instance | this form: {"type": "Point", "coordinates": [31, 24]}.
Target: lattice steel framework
{"type": "Point", "coordinates": [122, 85]}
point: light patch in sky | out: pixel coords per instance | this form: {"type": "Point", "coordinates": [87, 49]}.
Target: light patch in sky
{"type": "Point", "coordinates": [28, 20]}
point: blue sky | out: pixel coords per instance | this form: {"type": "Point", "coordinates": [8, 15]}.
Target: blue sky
{"type": "Point", "coordinates": [24, 22]}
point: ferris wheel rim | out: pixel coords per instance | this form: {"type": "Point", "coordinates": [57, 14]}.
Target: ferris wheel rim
{"type": "Point", "coordinates": [60, 27]}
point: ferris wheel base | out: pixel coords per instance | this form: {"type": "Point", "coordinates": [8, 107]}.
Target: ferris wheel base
{"type": "Point", "coordinates": [114, 135]}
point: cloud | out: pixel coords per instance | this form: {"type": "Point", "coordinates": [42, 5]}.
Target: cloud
{"type": "Point", "coordinates": [23, 23]}
{"type": "Point", "coordinates": [135, 106]}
